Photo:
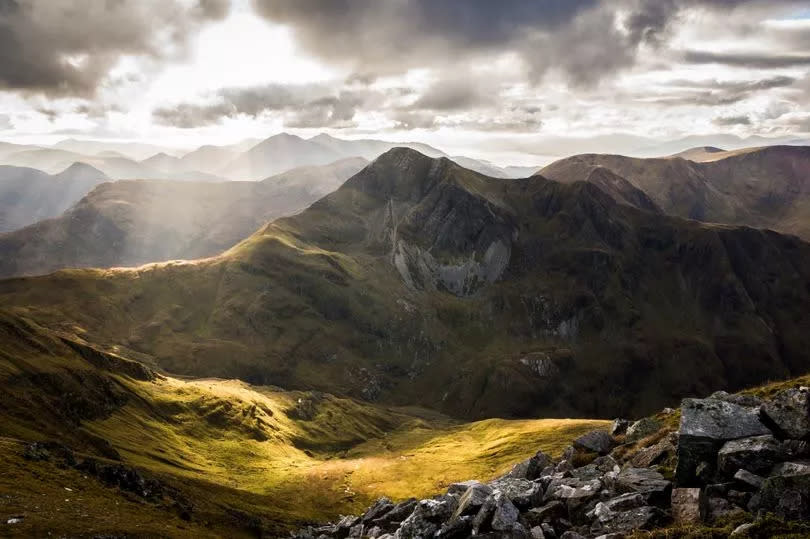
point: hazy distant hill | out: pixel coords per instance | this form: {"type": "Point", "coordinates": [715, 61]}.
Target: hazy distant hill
{"type": "Point", "coordinates": [760, 187]}
{"type": "Point", "coordinates": [28, 195]}
{"type": "Point", "coordinates": [133, 222]}
{"type": "Point", "coordinates": [419, 281]}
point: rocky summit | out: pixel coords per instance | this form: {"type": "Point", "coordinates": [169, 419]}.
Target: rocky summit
{"type": "Point", "coordinates": [736, 465]}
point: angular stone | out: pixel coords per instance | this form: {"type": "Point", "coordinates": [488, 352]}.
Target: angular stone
{"type": "Point", "coordinates": [719, 420]}
{"type": "Point", "coordinates": [641, 429]}
{"type": "Point", "coordinates": [749, 479]}
{"type": "Point", "coordinates": [537, 533]}
{"type": "Point", "coordinates": [653, 454]}
{"type": "Point", "coordinates": [521, 492]}
{"type": "Point", "coordinates": [379, 509]}
{"type": "Point", "coordinates": [426, 518]}
{"type": "Point", "coordinates": [550, 512]}
{"type": "Point", "coordinates": [457, 528]}
{"type": "Point", "coordinates": [789, 413]}
{"type": "Point", "coordinates": [472, 500]}
{"type": "Point", "coordinates": [531, 468]}
{"type": "Point", "coordinates": [742, 530]}
{"type": "Point", "coordinates": [606, 511]}
{"type": "Point", "coordinates": [717, 508]}
{"type": "Point", "coordinates": [787, 496]}
{"type": "Point", "coordinates": [619, 427]}
{"type": "Point", "coordinates": [640, 518]}
{"type": "Point", "coordinates": [574, 489]}
{"type": "Point", "coordinates": [649, 483]}
{"type": "Point", "coordinates": [597, 441]}
{"type": "Point", "coordinates": [791, 468]}
{"type": "Point", "coordinates": [757, 454]}
{"type": "Point", "coordinates": [461, 487]}
{"type": "Point", "coordinates": [705, 425]}
{"type": "Point", "coordinates": [396, 515]}
{"type": "Point", "coordinates": [688, 505]}
{"type": "Point", "coordinates": [506, 514]}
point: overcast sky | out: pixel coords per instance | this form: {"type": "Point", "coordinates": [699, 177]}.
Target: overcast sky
{"type": "Point", "coordinates": [485, 78]}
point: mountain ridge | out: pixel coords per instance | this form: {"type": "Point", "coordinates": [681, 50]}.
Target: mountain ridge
{"type": "Point", "coordinates": [421, 281]}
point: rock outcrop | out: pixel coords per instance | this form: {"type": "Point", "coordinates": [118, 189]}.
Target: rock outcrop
{"type": "Point", "coordinates": [727, 461]}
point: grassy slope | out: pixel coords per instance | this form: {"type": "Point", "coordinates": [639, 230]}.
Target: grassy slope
{"type": "Point", "coordinates": [281, 457]}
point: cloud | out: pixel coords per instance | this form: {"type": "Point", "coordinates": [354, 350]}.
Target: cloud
{"type": "Point", "coordinates": [69, 47]}
{"type": "Point", "coordinates": [730, 121]}
{"type": "Point", "coordinates": [586, 40]}
{"type": "Point", "coordinates": [301, 105]}
{"type": "Point", "coordinates": [5, 122]}
{"type": "Point", "coordinates": [748, 59]}
{"type": "Point", "coordinates": [715, 93]}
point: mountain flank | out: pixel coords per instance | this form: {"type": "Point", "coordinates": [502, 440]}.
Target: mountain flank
{"type": "Point", "coordinates": [759, 187]}
{"type": "Point", "coordinates": [418, 281]}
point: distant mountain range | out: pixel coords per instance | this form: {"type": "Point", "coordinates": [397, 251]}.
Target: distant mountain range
{"type": "Point", "coordinates": [132, 222]}
{"type": "Point", "coordinates": [249, 160]}
{"type": "Point", "coordinates": [419, 281]}
{"type": "Point", "coordinates": [28, 195]}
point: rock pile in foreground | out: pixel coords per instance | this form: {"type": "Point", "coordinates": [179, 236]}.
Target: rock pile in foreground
{"type": "Point", "coordinates": [733, 456]}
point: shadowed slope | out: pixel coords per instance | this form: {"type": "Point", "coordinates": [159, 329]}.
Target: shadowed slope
{"type": "Point", "coordinates": [760, 187]}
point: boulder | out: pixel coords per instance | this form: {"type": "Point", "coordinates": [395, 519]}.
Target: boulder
{"type": "Point", "coordinates": [472, 500]}
{"type": "Point", "coordinates": [521, 492]}
{"type": "Point", "coordinates": [426, 518]}
{"type": "Point", "coordinates": [706, 424]}
{"type": "Point", "coordinates": [550, 512]}
{"type": "Point", "coordinates": [652, 455]}
{"type": "Point", "coordinates": [377, 510]}
{"type": "Point", "coordinates": [748, 479]}
{"type": "Point", "coordinates": [736, 398]}
{"type": "Point", "coordinates": [457, 528]}
{"type": "Point", "coordinates": [640, 518]}
{"type": "Point", "coordinates": [607, 510]}
{"type": "Point", "coordinates": [619, 427]}
{"type": "Point", "coordinates": [395, 515]}
{"type": "Point", "coordinates": [791, 468]}
{"type": "Point", "coordinates": [788, 413]}
{"type": "Point", "coordinates": [757, 454]}
{"type": "Point", "coordinates": [531, 468]}
{"type": "Point", "coordinates": [641, 429]}
{"type": "Point", "coordinates": [506, 514]}
{"type": "Point", "coordinates": [647, 482]}
{"type": "Point", "coordinates": [742, 530]}
{"type": "Point", "coordinates": [717, 508]}
{"type": "Point", "coordinates": [688, 505]}
{"type": "Point", "coordinates": [597, 441]}
{"type": "Point", "coordinates": [537, 533]}
{"type": "Point", "coordinates": [787, 496]}
{"type": "Point", "coordinates": [461, 487]}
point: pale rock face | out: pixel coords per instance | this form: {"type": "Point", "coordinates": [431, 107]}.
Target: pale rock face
{"type": "Point", "coordinates": [420, 269]}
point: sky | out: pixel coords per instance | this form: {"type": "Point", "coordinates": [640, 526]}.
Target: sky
{"type": "Point", "coordinates": [511, 80]}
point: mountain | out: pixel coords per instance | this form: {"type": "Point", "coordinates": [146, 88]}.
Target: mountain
{"type": "Point", "coordinates": [765, 187]}
{"type": "Point", "coordinates": [701, 153]}
{"type": "Point", "coordinates": [284, 151]}
{"type": "Point", "coordinates": [169, 167]}
{"type": "Point", "coordinates": [209, 159]}
{"type": "Point", "coordinates": [132, 222]}
{"type": "Point", "coordinates": [277, 154]}
{"type": "Point", "coordinates": [419, 281]}
{"type": "Point", "coordinates": [489, 169]}
{"type": "Point", "coordinates": [131, 150]}
{"type": "Point", "coordinates": [28, 195]}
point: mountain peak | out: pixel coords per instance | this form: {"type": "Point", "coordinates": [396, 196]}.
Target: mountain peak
{"type": "Point", "coordinates": [82, 170]}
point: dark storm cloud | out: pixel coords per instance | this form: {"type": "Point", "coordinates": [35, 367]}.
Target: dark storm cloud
{"type": "Point", "coordinates": [303, 105]}
{"type": "Point", "coordinates": [730, 121]}
{"type": "Point", "coordinates": [584, 39]}
{"type": "Point", "coordinates": [455, 94]}
{"type": "Point", "coordinates": [67, 47]}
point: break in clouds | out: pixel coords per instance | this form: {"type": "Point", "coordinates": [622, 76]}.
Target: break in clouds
{"type": "Point", "coordinates": [511, 67]}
